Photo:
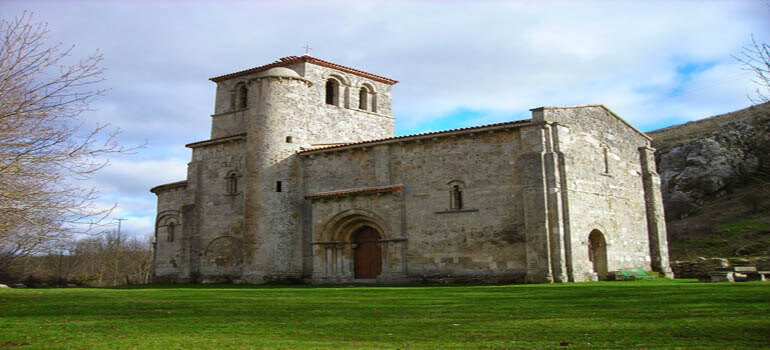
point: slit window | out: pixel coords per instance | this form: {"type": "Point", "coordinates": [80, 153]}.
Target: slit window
{"type": "Point", "coordinates": [363, 98]}
{"type": "Point", "coordinates": [170, 228]}
{"type": "Point", "coordinates": [243, 96]}
{"type": "Point", "coordinates": [278, 186]}
{"type": "Point", "coordinates": [456, 198]}
{"type": "Point", "coordinates": [232, 184]}
{"type": "Point", "coordinates": [332, 88]}
{"type": "Point", "coordinates": [374, 103]}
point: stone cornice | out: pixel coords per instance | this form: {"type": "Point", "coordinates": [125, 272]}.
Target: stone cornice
{"type": "Point", "coordinates": [232, 138]}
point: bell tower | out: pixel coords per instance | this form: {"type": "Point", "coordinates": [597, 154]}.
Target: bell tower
{"type": "Point", "coordinates": [293, 104]}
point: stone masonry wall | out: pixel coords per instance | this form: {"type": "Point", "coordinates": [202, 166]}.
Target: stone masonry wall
{"type": "Point", "coordinates": [169, 258]}
{"type": "Point", "coordinates": [272, 216]}
{"type": "Point", "coordinates": [482, 240]}
{"type": "Point", "coordinates": [281, 116]}
{"type": "Point", "coordinates": [531, 192]}
{"type": "Point", "coordinates": [323, 123]}
{"type": "Point", "coordinates": [334, 221]}
{"type": "Point", "coordinates": [216, 248]}
{"type": "Point", "coordinates": [228, 123]}
{"type": "Point", "coordinates": [604, 185]}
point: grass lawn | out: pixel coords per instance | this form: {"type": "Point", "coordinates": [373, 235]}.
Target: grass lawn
{"type": "Point", "coordinates": [636, 314]}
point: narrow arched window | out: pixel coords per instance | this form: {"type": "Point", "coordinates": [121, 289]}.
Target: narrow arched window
{"type": "Point", "coordinates": [374, 103]}
{"type": "Point", "coordinates": [243, 96]}
{"type": "Point", "coordinates": [363, 99]}
{"type": "Point", "coordinates": [170, 228]}
{"type": "Point", "coordinates": [457, 198]}
{"type": "Point", "coordinates": [331, 92]}
{"type": "Point", "coordinates": [232, 184]}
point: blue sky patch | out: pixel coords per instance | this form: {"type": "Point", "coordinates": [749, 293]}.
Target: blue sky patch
{"type": "Point", "coordinates": [685, 73]}
{"type": "Point", "coordinates": [459, 118]}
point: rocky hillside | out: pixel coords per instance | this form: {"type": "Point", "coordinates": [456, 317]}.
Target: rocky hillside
{"type": "Point", "coordinates": [715, 177]}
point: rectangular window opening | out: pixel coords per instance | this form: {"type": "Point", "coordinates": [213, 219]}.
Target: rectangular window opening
{"type": "Point", "coordinates": [278, 186]}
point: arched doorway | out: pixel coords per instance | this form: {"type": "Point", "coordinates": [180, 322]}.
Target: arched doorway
{"type": "Point", "coordinates": [368, 256]}
{"type": "Point", "coordinates": [597, 253]}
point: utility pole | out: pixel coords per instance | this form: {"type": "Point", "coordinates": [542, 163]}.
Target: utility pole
{"type": "Point", "coordinates": [117, 256]}
{"type": "Point", "coordinates": [119, 221]}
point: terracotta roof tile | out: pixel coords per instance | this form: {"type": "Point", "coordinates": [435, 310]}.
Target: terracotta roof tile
{"type": "Point", "coordinates": [216, 140]}
{"type": "Point", "coordinates": [389, 188]}
{"type": "Point", "coordinates": [406, 137]}
{"type": "Point", "coordinates": [285, 61]}
{"type": "Point", "coordinates": [168, 186]}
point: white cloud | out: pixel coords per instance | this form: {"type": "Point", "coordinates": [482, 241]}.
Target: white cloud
{"type": "Point", "coordinates": [131, 176]}
{"type": "Point", "coordinates": [498, 57]}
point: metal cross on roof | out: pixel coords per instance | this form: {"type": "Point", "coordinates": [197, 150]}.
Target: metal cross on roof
{"type": "Point", "coordinates": [307, 48]}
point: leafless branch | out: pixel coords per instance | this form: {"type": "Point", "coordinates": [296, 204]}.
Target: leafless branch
{"type": "Point", "coordinates": [756, 59]}
{"type": "Point", "coordinates": [44, 148]}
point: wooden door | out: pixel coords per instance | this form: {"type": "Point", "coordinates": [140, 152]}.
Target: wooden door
{"type": "Point", "coordinates": [368, 258]}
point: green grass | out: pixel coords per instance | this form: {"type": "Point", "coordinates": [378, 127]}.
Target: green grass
{"type": "Point", "coordinates": [721, 226]}
{"type": "Point", "coordinates": [728, 234]}
{"type": "Point", "coordinates": [744, 225]}
{"type": "Point", "coordinates": [641, 314]}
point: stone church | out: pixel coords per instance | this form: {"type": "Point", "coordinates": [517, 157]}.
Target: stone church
{"type": "Point", "coordinates": [303, 180]}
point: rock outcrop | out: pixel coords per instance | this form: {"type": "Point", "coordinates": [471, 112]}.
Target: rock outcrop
{"type": "Point", "coordinates": [703, 159]}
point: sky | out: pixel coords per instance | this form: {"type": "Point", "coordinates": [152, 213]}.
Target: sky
{"type": "Point", "coordinates": [459, 64]}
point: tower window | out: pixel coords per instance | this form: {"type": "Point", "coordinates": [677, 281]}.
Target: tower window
{"type": "Point", "coordinates": [374, 102]}
{"type": "Point", "coordinates": [606, 160]}
{"type": "Point", "coordinates": [456, 198]}
{"type": "Point", "coordinates": [363, 98]}
{"type": "Point", "coordinates": [332, 88]}
{"type": "Point", "coordinates": [243, 96]}
{"type": "Point", "coordinates": [232, 184]}
{"type": "Point", "coordinates": [170, 228]}
{"type": "Point", "coordinates": [240, 98]}
{"type": "Point", "coordinates": [278, 186]}
{"type": "Point", "coordinates": [288, 139]}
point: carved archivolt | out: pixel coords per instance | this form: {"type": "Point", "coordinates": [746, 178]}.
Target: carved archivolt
{"type": "Point", "coordinates": [341, 227]}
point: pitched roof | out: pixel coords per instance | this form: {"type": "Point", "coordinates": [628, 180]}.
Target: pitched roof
{"type": "Point", "coordinates": [377, 189]}
{"type": "Point", "coordinates": [217, 140]}
{"type": "Point", "coordinates": [285, 61]}
{"type": "Point", "coordinates": [421, 135]}
{"type": "Point", "coordinates": [168, 186]}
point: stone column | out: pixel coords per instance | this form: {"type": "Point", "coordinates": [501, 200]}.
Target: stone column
{"type": "Point", "coordinates": [535, 205]}
{"type": "Point", "coordinates": [656, 221]}
{"type": "Point", "coordinates": [554, 203]}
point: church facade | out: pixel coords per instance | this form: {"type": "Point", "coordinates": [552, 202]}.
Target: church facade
{"type": "Point", "coordinates": [303, 180]}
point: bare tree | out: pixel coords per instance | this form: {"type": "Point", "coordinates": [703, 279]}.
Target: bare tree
{"type": "Point", "coordinates": [756, 59]}
{"type": "Point", "coordinates": [46, 150]}
{"type": "Point", "coordinates": [97, 260]}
